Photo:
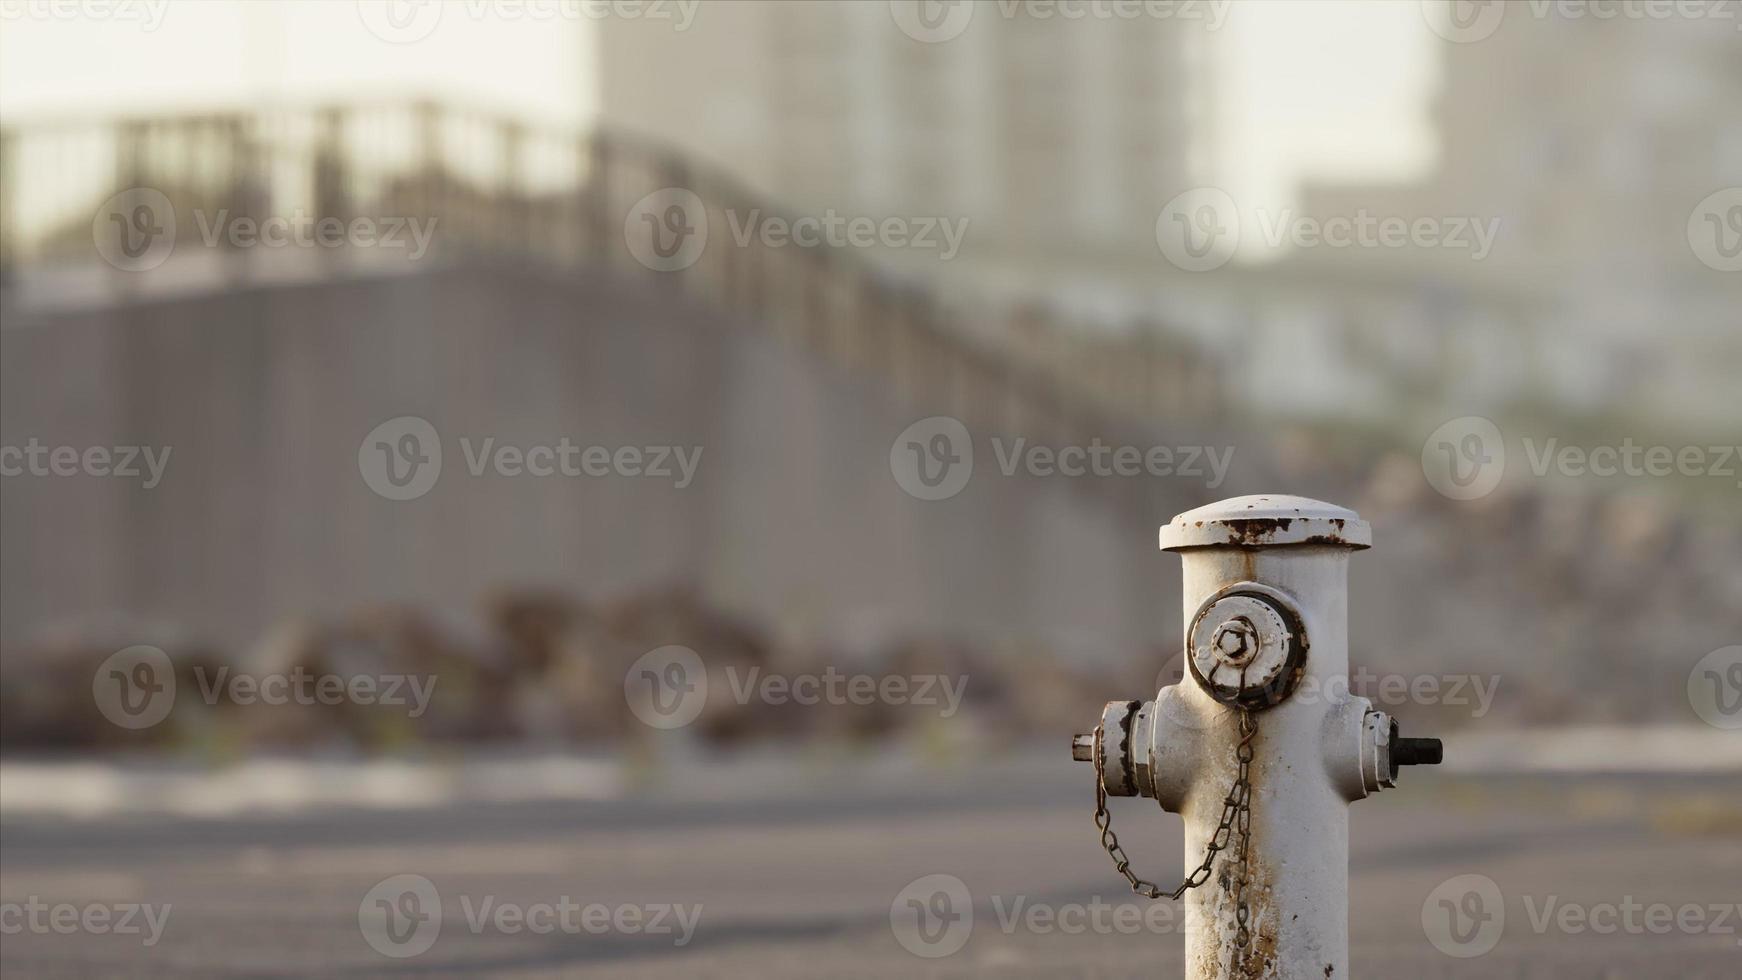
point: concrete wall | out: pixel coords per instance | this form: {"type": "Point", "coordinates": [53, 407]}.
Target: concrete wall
{"type": "Point", "coordinates": [265, 396]}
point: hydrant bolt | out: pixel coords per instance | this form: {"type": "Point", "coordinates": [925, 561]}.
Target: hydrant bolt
{"type": "Point", "coordinates": [1236, 642]}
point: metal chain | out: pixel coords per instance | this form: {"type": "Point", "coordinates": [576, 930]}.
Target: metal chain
{"type": "Point", "coordinates": [1236, 820]}
{"type": "Point", "coordinates": [1243, 821]}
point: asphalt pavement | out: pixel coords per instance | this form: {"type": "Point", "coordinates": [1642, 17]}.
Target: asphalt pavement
{"type": "Point", "coordinates": [810, 868]}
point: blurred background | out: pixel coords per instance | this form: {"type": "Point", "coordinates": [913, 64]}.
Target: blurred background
{"type": "Point", "coordinates": [491, 363]}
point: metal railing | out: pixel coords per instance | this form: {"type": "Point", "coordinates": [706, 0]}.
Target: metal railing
{"type": "Point", "coordinates": [545, 197]}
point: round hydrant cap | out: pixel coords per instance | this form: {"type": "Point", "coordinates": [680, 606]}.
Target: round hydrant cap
{"type": "Point", "coordinates": [1266, 521]}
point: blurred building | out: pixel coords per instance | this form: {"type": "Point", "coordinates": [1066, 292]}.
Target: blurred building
{"type": "Point", "coordinates": [1047, 132]}
{"type": "Point", "coordinates": [1593, 141]}
{"type": "Point", "coordinates": [1063, 139]}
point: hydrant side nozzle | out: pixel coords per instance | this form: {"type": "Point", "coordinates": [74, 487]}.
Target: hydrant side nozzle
{"type": "Point", "coordinates": [1416, 751]}
{"type": "Point", "coordinates": [1118, 766]}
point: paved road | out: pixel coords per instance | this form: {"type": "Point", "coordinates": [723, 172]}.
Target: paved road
{"type": "Point", "coordinates": [796, 876]}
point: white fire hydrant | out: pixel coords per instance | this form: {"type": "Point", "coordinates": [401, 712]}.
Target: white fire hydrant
{"type": "Point", "coordinates": [1262, 747]}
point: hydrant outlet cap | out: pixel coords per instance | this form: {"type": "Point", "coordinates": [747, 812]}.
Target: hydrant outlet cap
{"type": "Point", "coordinates": [1267, 521]}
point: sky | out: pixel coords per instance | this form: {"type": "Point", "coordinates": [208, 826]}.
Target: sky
{"type": "Point", "coordinates": [148, 55]}
{"type": "Point", "coordinates": [1323, 90]}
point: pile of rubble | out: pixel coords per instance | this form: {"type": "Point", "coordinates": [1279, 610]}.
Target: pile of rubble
{"type": "Point", "coordinates": [528, 668]}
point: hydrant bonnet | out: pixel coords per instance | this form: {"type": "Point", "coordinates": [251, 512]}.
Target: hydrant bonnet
{"type": "Point", "coordinates": [1266, 521]}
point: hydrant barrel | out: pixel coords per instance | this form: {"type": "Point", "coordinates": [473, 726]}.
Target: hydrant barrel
{"type": "Point", "coordinates": [1291, 554]}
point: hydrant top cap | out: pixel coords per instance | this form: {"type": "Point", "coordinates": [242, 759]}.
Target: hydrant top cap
{"type": "Point", "coordinates": [1266, 521]}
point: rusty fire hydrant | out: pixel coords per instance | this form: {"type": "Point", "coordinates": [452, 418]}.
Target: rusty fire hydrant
{"type": "Point", "coordinates": [1262, 747]}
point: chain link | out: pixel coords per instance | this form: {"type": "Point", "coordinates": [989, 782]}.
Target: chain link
{"type": "Point", "coordinates": [1236, 822]}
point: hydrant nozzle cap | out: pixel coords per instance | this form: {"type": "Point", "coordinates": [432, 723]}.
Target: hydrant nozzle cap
{"type": "Point", "coordinates": [1267, 521]}
{"type": "Point", "coordinates": [1083, 748]}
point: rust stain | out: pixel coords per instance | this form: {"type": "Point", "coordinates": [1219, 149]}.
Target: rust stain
{"type": "Point", "coordinates": [1259, 958]}
{"type": "Point", "coordinates": [1259, 532]}
{"type": "Point", "coordinates": [1125, 753]}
